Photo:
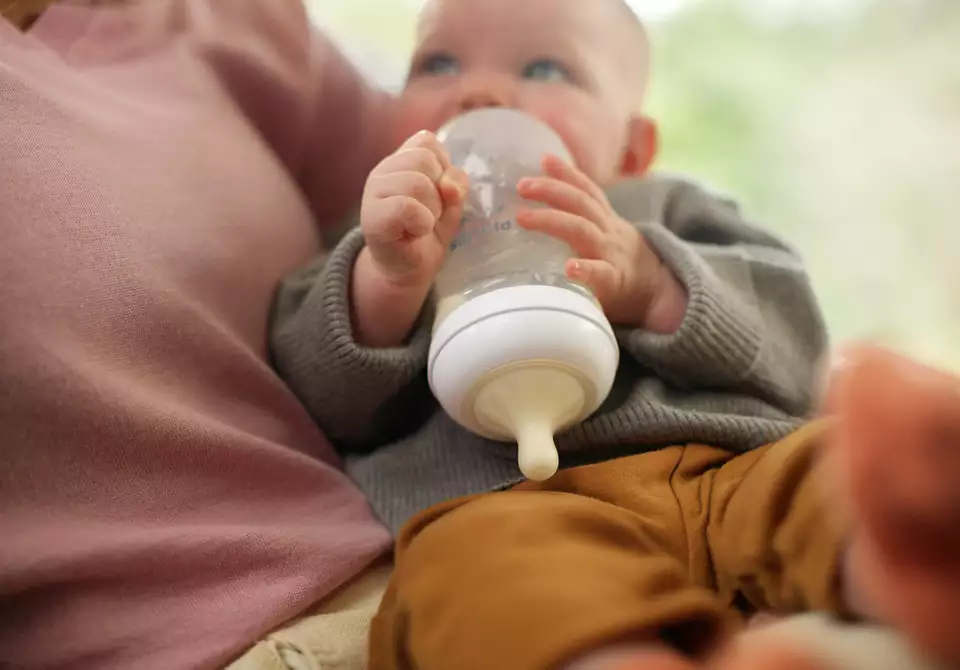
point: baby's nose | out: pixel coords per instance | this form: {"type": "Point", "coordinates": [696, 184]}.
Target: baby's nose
{"type": "Point", "coordinates": [483, 92]}
{"type": "Point", "coordinates": [480, 100]}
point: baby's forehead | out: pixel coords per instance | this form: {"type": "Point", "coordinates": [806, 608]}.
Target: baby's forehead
{"type": "Point", "coordinates": [603, 21]}
{"type": "Point", "coordinates": [603, 26]}
{"type": "Point", "coordinates": [603, 17]}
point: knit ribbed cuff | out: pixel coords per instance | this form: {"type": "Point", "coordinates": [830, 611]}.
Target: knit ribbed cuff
{"type": "Point", "coordinates": [720, 336]}
{"type": "Point", "coordinates": [337, 340]}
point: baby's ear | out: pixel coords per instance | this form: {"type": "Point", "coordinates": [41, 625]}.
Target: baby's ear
{"type": "Point", "coordinates": [641, 148]}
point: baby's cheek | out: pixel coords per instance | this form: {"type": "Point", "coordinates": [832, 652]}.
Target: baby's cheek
{"type": "Point", "coordinates": [571, 134]}
{"type": "Point", "coordinates": [582, 154]}
{"type": "Point", "coordinates": [417, 111]}
{"type": "Point", "coordinates": [591, 144]}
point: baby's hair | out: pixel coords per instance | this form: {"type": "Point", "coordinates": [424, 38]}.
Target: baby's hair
{"type": "Point", "coordinates": [640, 40]}
{"type": "Point", "coordinates": [631, 16]}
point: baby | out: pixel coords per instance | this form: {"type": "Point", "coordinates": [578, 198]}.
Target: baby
{"type": "Point", "coordinates": [693, 493]}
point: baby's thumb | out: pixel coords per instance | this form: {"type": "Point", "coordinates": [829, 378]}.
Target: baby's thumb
{"type": "Point", "coordinates": [453, 187]}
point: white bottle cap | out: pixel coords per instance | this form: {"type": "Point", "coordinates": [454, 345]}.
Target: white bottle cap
{"type": "Point", "coordinates": [522, 363]}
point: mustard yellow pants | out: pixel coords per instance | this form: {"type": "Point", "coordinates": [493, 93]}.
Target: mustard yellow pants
{"type": "Point", "coordinates": [669, 545]}
{"type": "Point", "coordinates": [663, 543]}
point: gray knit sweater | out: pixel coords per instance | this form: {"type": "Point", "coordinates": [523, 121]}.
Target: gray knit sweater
{"type": "Point", "coordinates": [738, 374]}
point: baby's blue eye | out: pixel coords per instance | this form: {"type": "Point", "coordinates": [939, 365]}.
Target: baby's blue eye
{"type": "Point", "coordinates": [439, 64]}
{"type": "Point", "coordinates": [547, 70]}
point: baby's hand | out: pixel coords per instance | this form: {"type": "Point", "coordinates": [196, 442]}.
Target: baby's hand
{"type": "Point", "coordinates": [410, 212]}
{"type": "Point", "coordinates": [615, 261]}
{"type": "Point", "coordinates": [409, 215]}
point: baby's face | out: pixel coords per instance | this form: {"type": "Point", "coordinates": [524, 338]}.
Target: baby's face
{"type": "Point", "coordinates": [574, 64]}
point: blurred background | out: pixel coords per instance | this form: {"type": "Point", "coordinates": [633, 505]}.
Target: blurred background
{"type": "Point", "coordinates": [834, 122]}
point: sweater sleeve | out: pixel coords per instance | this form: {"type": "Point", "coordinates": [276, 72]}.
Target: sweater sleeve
{"type": "Point", "coordinates": [326, 124]}
{"type": "Point", "coordinates": [752, 325]}
{"type": "Point", "coordinates": [361, 397]}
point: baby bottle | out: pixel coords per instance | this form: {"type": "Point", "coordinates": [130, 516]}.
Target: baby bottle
{"type": "Point", "coordinates": [519, 352]}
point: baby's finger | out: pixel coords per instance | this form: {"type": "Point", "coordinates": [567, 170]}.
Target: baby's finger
{"type": "Point", "coordinates": [453, 188]}
{"type": "Point", "coordinates": [411, 159]}
{"type": "Point", "coordinates": [397, 219]}
{"type": "Point", "coordinates": [564, 197]}
{"type": "Point", "coordinates": [415, 185]}
{"type": "Point", "coordinates": [582, 236]}
{"type": "Point", "coordinates": [597, 275]}
{"type": "Point", "coordinates": [556, 167]}
{"type": "Point", "coordinates": [429, 141]}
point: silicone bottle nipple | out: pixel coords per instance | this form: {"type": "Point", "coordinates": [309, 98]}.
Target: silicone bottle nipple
{"type": "Point", "coordinates": [537, 452]}
{"type": "Point", "coordinates": [532, 402]}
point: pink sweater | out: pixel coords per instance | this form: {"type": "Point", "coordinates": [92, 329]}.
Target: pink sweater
{"type": "Point", "coordinates": [164, 500]}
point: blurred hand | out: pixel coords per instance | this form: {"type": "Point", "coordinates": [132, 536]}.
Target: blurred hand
{"type": "Point", "coordinates": [897, 452]}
